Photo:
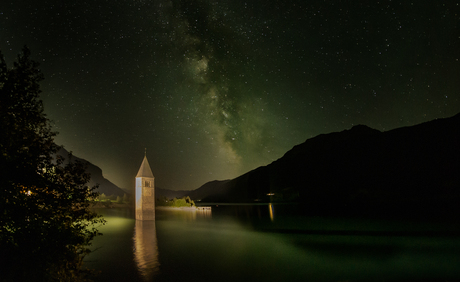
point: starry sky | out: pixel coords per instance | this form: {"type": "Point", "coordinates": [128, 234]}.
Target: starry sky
{"type": "Point", "coordinates": [214, 89]}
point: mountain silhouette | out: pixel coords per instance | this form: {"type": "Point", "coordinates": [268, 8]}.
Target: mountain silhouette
{"type": "Point", "coordinates": [413, 171]}
{"type": "Point", "coordinates": [105, 186]}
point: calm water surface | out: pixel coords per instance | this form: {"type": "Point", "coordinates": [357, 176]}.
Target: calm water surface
{"type": "Point", "coordinates": [269, 243]}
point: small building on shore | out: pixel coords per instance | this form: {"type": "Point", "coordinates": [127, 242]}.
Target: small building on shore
{"type": "Point", "coordinates": [145, 192]}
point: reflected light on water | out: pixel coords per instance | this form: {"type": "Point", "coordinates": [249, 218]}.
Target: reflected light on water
{"type": "Point", "coordinates": [241, 243]}
{"type": "Point", "coordinates": [204, 213]}
{"type": "Point", "coordinates": [146, 249]}
{"type": "Point", "coordinates": [118, 223]}
{"type": "Point", "coordinates": [187, 214]}
{"type": "Point", "coordinates": [270, 208]}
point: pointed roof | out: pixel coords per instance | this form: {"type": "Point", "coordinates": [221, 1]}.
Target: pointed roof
{"type": "Point", "coordinates": [144, 170]}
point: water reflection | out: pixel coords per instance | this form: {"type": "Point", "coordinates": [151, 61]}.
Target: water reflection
{"type": "Point", "coordinates": [185, 214]}
{"type": "Point", "coordinates": [204, 212]}
{"type": "Point", "coordinates": [268, 243]}
{"type": "Point", "coordinates": [146, 249]}
{"type": "Point", "coordinates": [270, 207]}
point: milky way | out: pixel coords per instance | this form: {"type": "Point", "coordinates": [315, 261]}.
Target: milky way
{"type": "Point", "coordinates": [213, 89]}
{"type": "Point", "coordinates": [213, 66]}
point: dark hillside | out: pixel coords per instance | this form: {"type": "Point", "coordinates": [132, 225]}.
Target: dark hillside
{"type": "Point", "coordinates": [217, 188]}
{"type": "Point", "coordinates": [411, 171]}
{"type": "Point", "coordinates": [105, 186]}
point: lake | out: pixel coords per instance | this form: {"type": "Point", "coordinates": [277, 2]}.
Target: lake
{"type": "Point", "coordinates": [270, 243]}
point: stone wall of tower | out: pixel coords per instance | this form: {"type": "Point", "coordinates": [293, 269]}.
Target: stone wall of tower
{"type": "Point", "coordinates": [145, 198]}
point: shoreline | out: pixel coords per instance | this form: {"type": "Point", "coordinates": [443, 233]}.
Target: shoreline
{"type": "Point", "coordinates": [175, 208]}
{"type": "Point", "coordinates": [99, 205]}
{"type": "Point", "coordinates": [125, 205]}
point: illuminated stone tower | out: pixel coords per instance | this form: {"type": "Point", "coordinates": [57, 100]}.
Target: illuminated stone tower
{"type": "Point", "coordinates": [145, 192]}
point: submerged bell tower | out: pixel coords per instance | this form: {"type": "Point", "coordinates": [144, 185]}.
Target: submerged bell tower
{"type": "Point", "coordinates": [145, 192]}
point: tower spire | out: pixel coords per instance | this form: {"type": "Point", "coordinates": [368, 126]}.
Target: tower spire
{"type": "Point", "coordinates": [145, 192]}
{"type": "Point", "coordinates": [145, 170]}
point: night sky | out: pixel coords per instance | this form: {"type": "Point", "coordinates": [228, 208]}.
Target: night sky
{"type": "Point", "coordinates": [214, 89]}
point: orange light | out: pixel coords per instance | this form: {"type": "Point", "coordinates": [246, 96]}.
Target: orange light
{"type": "Point", "coordinates": [270, 208]}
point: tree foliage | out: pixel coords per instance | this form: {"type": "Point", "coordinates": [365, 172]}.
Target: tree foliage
{"type": "Point", "coordinates": [102, 197]}
{"type": "Point", "coordinates": [125, 198]}
{"type": "Point", "coordinates": [45, 222]}
{"type": "Point", "coordinates": [176, 202]}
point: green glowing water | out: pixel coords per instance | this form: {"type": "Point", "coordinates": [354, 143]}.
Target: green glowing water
{"type": "Point", "coordinates": [265, 243]}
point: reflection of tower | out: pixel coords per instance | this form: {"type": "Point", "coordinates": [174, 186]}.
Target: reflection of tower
{"type": "Point", "coordinates": [146, 249]}
{"type": "Point", "coordinates": [145, 192]}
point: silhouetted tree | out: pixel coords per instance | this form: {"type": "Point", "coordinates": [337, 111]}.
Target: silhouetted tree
{"type": "Point", "coordinates": [119, 200]}
{"type": "Point", "coordinates": [125, 198]}
{"type": "Point", "coordinates": [189, 201]}
{"type": "Point", "coordinates": [45, 222]}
